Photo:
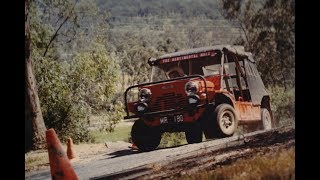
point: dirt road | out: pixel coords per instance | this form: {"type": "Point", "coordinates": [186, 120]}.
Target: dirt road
{"type": "Point", "coordinates": [171, 162]}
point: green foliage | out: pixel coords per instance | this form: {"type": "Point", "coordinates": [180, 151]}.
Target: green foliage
{"type": "Point", "coordinates": [172, 139]}
{"type": "Point", "coordinates": [269, 33]}
{"type": "Point", "coordinates": [283, 105]}
{"type": "Point", "coordinates": [59, 109]}
{"type": "Point", "coordinates": [145, 8]}
{"type": "Point", "coordinates": [70, 89]}
{"type": "Point", "coordinates": [145, 29]}
{"type": "Point", "coordinates": [274, 41]}
{"type": "Point", "coordinates": [93, 76]}
{"type": "Point", "coordinates": [112, 117]}
{"type": "Point", "coordinates": [231, 8]}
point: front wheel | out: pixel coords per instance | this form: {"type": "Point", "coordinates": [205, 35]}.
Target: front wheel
{"type": "Point", "coordinates": [144, 137]}
{"type": "Point", "coordinates": [226, 120]}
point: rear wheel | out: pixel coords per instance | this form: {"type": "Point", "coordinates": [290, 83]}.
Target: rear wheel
{"type": "Point", "coordinates": [194, 133]}
{"type": "Point", "coordinates": [266, 119]}
{"type": "Point", "coordinates": [144, 137]}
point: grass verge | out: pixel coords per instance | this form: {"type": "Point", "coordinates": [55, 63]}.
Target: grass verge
{"type": "Point", "coordinates": [121, 133]}
{"type": "Point", "coordinates": [35, 160]}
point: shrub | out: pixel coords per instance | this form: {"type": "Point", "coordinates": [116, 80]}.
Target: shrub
{"type": "Point", "coordinates": [112, 117]}
{"type": "Point", "coordinates": [283, 104]}
{"type": "Point", "coordinates": [172, 139]}
{"type": "Point", "coordinates": [70, 91]}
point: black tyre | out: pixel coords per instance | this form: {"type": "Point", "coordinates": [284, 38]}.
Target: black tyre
{"type": "Point", "coordinates": [207, 123]}
{"type": "Point", "coordinates": [144, 137]}
{"type": "Point", "coordinates": [266, 119]}
{"type": "Point", "coordinates": [194, 133]}
{"type": "Point", "coordinates": [226, 121]}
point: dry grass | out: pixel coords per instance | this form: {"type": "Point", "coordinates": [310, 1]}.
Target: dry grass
{"type": "Point", "coordinates": [35, 160]}
{"type": "Point", "coordinates": [273, 165]}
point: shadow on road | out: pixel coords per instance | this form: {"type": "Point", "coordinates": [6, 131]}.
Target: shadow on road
{"type": "Point", "coordinates": [120, 153]}
{"type": "Point", "coordinates": [170, 147]}
{"type": "Point", "coordinates": [126, 152]}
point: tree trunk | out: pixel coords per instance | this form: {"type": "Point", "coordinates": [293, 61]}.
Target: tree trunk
{"type": "Point", "coordinates": [34, 124]}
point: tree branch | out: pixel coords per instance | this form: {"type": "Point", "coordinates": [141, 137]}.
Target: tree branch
{"type": "Point", "coordinates": [246, 35]}
{"type": "Point", "coordinates": [55, 35]}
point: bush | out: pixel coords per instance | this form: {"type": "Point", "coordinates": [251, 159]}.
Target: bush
{"type": "Point", "coordinates": [112, 117]}
{"type": "Point", "coordinates": [70, 91]}
{"type": "Point", "coordinates": [283, 104]}
{"type": "Point", "coordinates": [172, 139]}
{"type": "Point", "coordinates": [59, 108]}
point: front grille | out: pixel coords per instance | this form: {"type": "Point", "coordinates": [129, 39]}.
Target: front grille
{"type": "Point", "coordinates": [168, 101]}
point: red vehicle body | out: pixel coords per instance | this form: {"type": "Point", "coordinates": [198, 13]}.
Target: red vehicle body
{"type": "Point", "coordinates": [208, 90]}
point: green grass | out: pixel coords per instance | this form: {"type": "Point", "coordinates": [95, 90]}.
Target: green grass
{"type": "Point", "coordinates": [274, 165]}
{"type": "Point", "coordinates": [119, 134]}
{"type": "Point", "coordinates": [36, 159]}
{"type": "Point", "coordinates": [172, 139]}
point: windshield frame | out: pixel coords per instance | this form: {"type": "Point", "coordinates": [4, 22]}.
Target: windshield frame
{"type": "Point", "coordinates": [188, 67]}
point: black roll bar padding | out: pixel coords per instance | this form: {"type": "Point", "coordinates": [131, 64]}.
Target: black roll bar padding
{"type": "Point", "coordinates": [168, 80]}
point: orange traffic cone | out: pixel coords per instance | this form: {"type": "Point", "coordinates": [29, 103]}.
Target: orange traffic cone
{"type": "Point", "coordinates": [60, 166]}
{"type": "Point", "coordinates": [70, 153]}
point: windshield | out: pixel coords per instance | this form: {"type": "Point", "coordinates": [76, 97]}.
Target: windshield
{"type": "Point", "coordinates": [157, 74]}
{"type": "Point", "coordinates": [199, 66]}
{"type": "Point", "coordinates": [211, 70]}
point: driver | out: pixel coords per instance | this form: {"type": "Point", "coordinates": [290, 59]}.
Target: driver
{"type": "Point", "coordinates": [175, 72]}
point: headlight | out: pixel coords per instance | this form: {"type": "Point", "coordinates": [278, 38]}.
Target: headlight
{"type": "Point", "coordinates": [144, 95]}
{"type": "Point", "coordinates": [191, 88]}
